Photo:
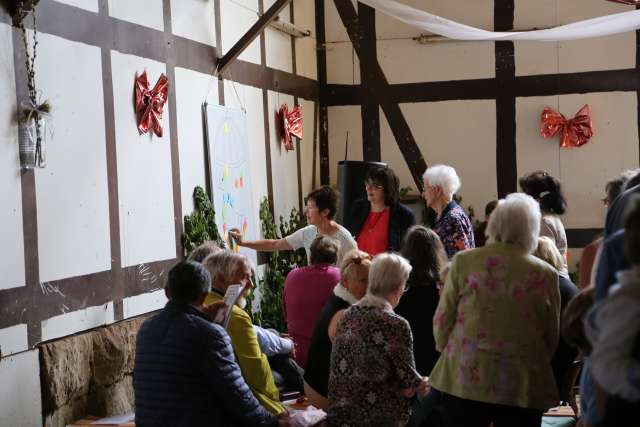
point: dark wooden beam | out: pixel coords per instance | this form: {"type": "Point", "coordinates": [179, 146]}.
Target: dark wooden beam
{"type": "Point", "coordinates": [323, 113]}
{"type": "Point", "coordinates": [250, 35]}
{"type": "Point", "coordinates": [370, 110]}
{"type": "Point", "coordinates": [378, 88]}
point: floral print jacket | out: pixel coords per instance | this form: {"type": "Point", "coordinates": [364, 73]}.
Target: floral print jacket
{"type": "Point", "coordinates": [371, 363]}
{"type": "Point", "coordinates": [497, 327]}
{"type": "Point", "coordinates": [454, 229]}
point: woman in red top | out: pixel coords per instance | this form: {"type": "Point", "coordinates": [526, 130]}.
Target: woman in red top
{"type": "Point", "coordinates": [380, 221]}
{"type": "Point", "coordinates": [307, 290]}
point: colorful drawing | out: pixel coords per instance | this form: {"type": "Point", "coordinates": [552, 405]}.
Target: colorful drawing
{"type": "Point", "coordinates": [230, 174]}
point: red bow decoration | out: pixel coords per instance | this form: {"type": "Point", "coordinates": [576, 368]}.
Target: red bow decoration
{"type": "Point", "coordinates": [149, 103]}
{"type": "Point", "coordinates": [575, 132]}
{"type": "Point", "coordinates": [291, 124]}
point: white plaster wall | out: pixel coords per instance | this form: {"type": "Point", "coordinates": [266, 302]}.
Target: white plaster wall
{"type": "Point", "coordinates": [143, 12]}
{"type": "Point", "coordinates": [13, 339]}
{"type": "Point", "coordinates": [20, 403]}
{"type": "Point", "coordinates": [603, 53]}
{"type": "Point", "coordinates": [194, 19]}
{"type": "Point", "coordinates": [340, 121]}
{"type": "Point", "coordinates": [445, 139]}
{"type": "Point", "coordinates": [284, 164]}
{"type": "Point", "coordinates": [90, 5]}
{"type": "Point", "coordinates": [277, 43]}
{"type": "Point", "coordinates": [72, 191]}
{"type": "Point", "coordinates": [334, 29]}
{"type": "Point", "coordinates": [343, 65]}
{"type": "Point", "coordinates": [583, 171]}
{"type": "Point", "coordinates": [236, 17]}
{"type": "Point", "coordinates": [192, 90]}
{"type": "Point", "coordinates": [306, 54]}
{"type": "Point", "coordinates": [250, 98]}
{"type": "Point", "coordinates": [141, 304]}
{"type": "Point", "coordinates": [11, 233]}
{"type": "Point", "coordinates": [306, 149]}
{"type": "Point", "coordinates": [145, 188]}
{"type": "Point", "coordinates": [438, 61]}
{"type": "Point", "coordinates": [80, 320]}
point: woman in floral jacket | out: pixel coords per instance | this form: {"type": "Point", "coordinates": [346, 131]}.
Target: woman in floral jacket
{"type": "Point", "coordinates": [373, 374]}
{"type": "Point", "coordinates": [496, 326]}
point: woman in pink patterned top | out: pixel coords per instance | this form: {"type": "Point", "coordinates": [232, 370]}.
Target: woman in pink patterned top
{"type": "Point", "coordinates": [452, 225]}
{"type": "Point", "coordinates": [307, 290]}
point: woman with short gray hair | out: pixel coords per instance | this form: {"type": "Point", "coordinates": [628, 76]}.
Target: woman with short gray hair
{"type": "Point", "coordinates": [373, 373]}
{"type": "Point", "coordinates": [496, 325]}
{"type": "Point", "coordinates": [452, 224]}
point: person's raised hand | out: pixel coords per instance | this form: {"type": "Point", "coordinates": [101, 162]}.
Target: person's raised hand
{"type": "Point", "coordinates": [236, 235]}
{"type": "Point", "coordinates": [212, 310]}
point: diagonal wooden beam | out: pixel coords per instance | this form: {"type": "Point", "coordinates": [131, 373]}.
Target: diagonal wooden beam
{"type": "Point", "coordinates": [250, 35]}
{"type": "Point", "coordinates": [378, 88]}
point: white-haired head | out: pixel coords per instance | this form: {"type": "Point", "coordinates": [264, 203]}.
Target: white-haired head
{"type": "Point", "coordinates": [442, 176]}
{"type": "Point", "coordinates": [387, 272]}
{"type": "Point", "coordinates": [516, 220]}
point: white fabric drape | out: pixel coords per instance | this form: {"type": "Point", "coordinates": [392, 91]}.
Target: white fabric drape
{"type": "Point", "coordinates": [596, 27]}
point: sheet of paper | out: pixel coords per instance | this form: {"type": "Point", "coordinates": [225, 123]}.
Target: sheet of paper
{"type": "Point", "coordinates": [230, 299]}
{"type": "Point", "coordinates": [116, 419]}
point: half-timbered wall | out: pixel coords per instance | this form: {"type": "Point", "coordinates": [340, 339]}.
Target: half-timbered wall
{"type": "Point", "coordinates": [477, 105]}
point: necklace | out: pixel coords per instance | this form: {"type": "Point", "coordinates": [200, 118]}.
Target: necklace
{"type": "Point", "coordinates": [374, 222]}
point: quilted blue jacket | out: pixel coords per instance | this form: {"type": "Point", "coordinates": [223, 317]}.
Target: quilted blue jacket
{"type": "Point", "coordinates": [186, 375]}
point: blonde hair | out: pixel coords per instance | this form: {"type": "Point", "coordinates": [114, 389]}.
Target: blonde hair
{"type": "Point", "coordinates": [352, 262]}
{"type": "Point", "coordinates": [548, 251]}
{"type": "Point", "coordinates": [386, 273]}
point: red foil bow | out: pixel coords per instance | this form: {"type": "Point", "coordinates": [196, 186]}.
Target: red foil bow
{"type": "Point", "coordinates": [575, 132]}
{"type": "Point", "coordinates": [149, 103]}
{"type": "Point", "coordinates": [291, 124]}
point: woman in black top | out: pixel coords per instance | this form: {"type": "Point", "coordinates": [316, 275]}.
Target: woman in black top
{"type": "Point", "coordinates": [424, 250]}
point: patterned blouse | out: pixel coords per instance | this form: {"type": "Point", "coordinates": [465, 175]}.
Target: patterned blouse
{"type": "Point", "coordinates": [371, 363]}
{"type": "Point", "coordinates": [497, 327]}
{"type": "Point", "coordinates": [454, 229]}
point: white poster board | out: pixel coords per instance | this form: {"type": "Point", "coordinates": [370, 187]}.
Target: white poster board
{"type": "Point", "coordinates": [230, 174]}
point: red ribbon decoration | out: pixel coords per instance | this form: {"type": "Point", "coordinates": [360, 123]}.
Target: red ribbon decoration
{"type": "Point", "coordinates": [149, 103]}
{"type": "Point", "coordinates": [575, 132]}
{"type": "Point", "coordinates": [291, 124]}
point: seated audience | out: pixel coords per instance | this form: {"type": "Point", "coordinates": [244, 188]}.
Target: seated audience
{"type": "Point", "coordinates": [479, 232]}
{"type": "Point", "coordinates": [565, 354]}
{"type": "Point", "coordinates": [185, 371]}
{"type": "Point", "coordinates": [614, 330]}
{"type": "Point", "coordinates": [279, 350]}
{"type": "Point", "coordinates": [496, 325]}
{"type": "Point", "coordinates": [354, 273]}
{"type": "Point", "coordinates": [307, 290]}
{"type": "Point", "coordinates": [322, 204]}
{"type": "Point", "coordinates": [424, 251]}
{"type": "Point", "coordinates": [546, 190]}
{"type": "Point", "coordinates": [234, 268]}
{"type": "Point", "coordinates": [373, 374]}
{"type": "Point", "coordinates": [452, 225]}
{"type": "Point", "coordinates": [380, 221]}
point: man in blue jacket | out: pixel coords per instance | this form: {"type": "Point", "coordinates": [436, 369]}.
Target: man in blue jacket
{"type": "Point", "coordinates": [185, 371]}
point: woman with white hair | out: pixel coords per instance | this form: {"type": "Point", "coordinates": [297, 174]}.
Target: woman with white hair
{"type": "Point", "coordinates": [452, 225]}
{"type": "Point", "coordinates": [373, 374]}
{"type": "Point", "coordinates": [497, 325]}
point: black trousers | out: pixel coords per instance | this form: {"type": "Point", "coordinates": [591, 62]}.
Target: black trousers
{"type": "Point", "coordinates": [471, 413]}
{"type": "Point", "coordinates": [287, 374]}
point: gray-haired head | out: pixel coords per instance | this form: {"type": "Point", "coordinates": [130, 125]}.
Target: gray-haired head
{"type": "Point", "coordinates": [387, 272]}
{"type": "Point", "coordinates": [203, 250]}
{"type": "Point", "coordinates": [516, 220]}
{"type": "Point", "coordinates": [324, 250]}
{"type": "Point", "coordinates": [442, 176]}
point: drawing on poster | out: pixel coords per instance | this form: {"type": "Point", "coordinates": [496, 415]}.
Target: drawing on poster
{"type": "Point", "coordinates": [230, 174]}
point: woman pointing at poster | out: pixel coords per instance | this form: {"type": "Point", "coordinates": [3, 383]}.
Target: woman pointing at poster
{"type": "Point", "coordinates": [322, 204]}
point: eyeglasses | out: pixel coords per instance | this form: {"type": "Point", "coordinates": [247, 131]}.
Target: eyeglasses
{"type": "Point", "coordinates": [373, 185]}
